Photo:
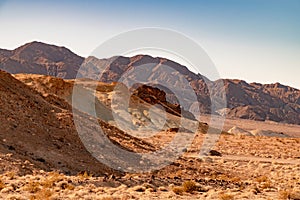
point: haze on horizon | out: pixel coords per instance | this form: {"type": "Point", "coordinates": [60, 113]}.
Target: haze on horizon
{"type": "Point", "coordinates": [257, 41]}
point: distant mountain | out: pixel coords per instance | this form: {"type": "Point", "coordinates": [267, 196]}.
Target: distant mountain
{"type": "Point", "coordinates": [244, 100]}
{"type": "Point", "coordinates": [256, 101]}
{"type": "Point", "coordinates": [40, 58]}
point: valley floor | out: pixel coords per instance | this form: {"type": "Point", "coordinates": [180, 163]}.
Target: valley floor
{"type": "Point", "coordinates": [249, 168]}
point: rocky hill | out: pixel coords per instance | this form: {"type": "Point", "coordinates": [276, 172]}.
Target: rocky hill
{"type": "Point", "coordinates": [40, 58]}
{"type": "Point", "coordinates": [255, 101]}
{"type": "Point", "coordinates": [40, 128]}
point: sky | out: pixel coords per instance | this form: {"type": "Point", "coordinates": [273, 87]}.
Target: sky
{"type": "Point", "coordinates": [253, 40]}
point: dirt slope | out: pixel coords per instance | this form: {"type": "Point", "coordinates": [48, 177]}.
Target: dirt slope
{"type": "Point", "coordinates": [42, 131]}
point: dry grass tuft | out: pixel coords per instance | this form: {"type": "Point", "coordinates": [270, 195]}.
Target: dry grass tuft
{"type": "Point", "coordinates": [288, 194]}
{"type": "Point", "coordinates": [264, 182]}
{"type": "Point", "coordinates": [84, 175]}
{"type": "Point", "coordinates": [2, 185]}
{"type": "Point", "coordinates": [177, 190]}
{"type": "Point", "coordinates": [11, 175]}
{"type": "Point", "coordinates": [189, 186]}
{"type": "Point", "coordinates": [223, 196]}
{"type": "Point", "coordinates": [262, 179]}
{"type": "Point", "coordinates": [32, 187]}
{"type": "Point", "coordinates": [51, 179]}
{"type": "Point", "coordinates": [44, 194]}
{"type": "Point", "coordinates": [109, 198]}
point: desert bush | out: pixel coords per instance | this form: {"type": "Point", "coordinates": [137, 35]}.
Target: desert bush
{"type": "Point", "coordinates": [189, 186]}
{"type": "Point", "coordinates": [295, 195]}
{"type": "Point", "coordinates": [32, 187]}
{"type": "Point", "coordinates": [283, 194]}
{"type": "Point", "coordinates": [11, 175]}
{"type": "Point", "coordinates": [110, 198]}
{"type": "Point", "coordinates": [264, 182]}
{"type": "Point", "coordinates": [266, 185]}
{"type": "Point", "coordinates": [51, 179]}
{"type": "Point", "coordinates": [2, 185]}
{"type": "Point", "coordinates": [84, 175]}
{"type": "Point", "coordinates": [44, 194]}
{"type": "Point", "coordinates": [288, 195]}
{"type": "Point", "coordinates": [223, 196]}
{"type": "Point", "coordinates": [177, 190]}
{"type": "Point", "coordinates": [262, 179]}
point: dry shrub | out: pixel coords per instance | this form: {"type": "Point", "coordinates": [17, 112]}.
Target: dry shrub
{"type": "Point", "coordinates": [189, 186]}
{"type": "Point", "coordinates": [235, 180]}
{"type": "Point", "coordinates": [284, 194]}
{"type": "Point", "coordinates": [262, 179]}
{"type": "Point", "coordinates": [51, 179]}
{"type": "Point", "coordinates": [177, 190]}
{"type": "Point", "coordinates": [2, 185]}
{"type": "Point", "coordinates": [264, 182]}
{"type": "Point", "coordinates": [32, 187]}
{"type": "Point", "coordinates": [223, 196]}
{"type": "Point", "coordinates": [44, 194]}
{"type": "Point", "coordinates": [288, 194]}
{"type": "Point", "coordinates": [266, 185]}
{"type": "Point", "coordinates": [84, 175]}
{"type": "Point", "coordinates": [11, 175]}
{"type": "Point", "coordinates": [295, 195]}
{"type": "Point", "coordinates": [69, 187]}
{"type": "Point", "coordinates": [110, 198]}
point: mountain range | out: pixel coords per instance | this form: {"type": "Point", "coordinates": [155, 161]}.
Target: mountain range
{"type": "Point", "coordinates": [275, 102]}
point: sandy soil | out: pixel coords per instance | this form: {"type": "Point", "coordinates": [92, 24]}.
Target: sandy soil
{"type": "Point", "coordinates": [244, 171]}
{"type": "Point", "coordinates": [290, 129]}
{"type": "Point", "coordinates": [240, 167]}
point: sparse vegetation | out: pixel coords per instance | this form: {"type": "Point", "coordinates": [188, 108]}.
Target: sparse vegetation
{"type": "Point", "coordinates": [84, 175]}
{"type": "Point", "coordinates": [224, 196]}
{"type": "Point", "coordinates": [189, 186]}
{"type": "Point", "coordinates": [51, 179]}
{"type": "Point", "coordinates": [2, 185]}
{"type": "Point", "coordinates": [177, 190]}
{"type": "Point", "coordinates": [262, 179]}
{"type": "Point", "coordinates": [32, 187]}
{"type": "Point", "coordinates": [288, 194]}
{"type": "Point", "coordinates": [43, 194]}
{"type": "Point", "coordinates": [10, 174]}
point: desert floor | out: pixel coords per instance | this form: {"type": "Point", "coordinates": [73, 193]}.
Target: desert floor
{"type": "Point", "coordinates": [249, 168]}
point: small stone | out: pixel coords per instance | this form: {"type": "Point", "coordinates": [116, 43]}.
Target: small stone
{"type": "Point", "coordinates": [214, 153]}
{"type": "Point", "coordinates": [163, 189]}
{"type": "Point", "coordinates": [138, 188]}
{"type": "Point", "coordinates": [7, 190]}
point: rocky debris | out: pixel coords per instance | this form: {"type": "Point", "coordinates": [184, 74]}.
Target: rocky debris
{"type": "Point", "coordinates": [41, 131]}
{"type": "Point", "coordinates": [239, 131]}
{"type": "Point", "coordinates": [154, 95]}
{"type": "Point", "coordinates": [268, 133]}
{"type": "Point", "coordinates": [137, 116]}
{"type": "Point", "coordinates": [214, 153]}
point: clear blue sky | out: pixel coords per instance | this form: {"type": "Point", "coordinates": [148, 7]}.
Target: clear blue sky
{"type": "Point", "coordinates": [255, 40]}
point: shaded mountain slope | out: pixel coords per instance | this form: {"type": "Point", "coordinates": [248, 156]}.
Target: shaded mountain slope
{"type": "Point", "coordinates": [138, 113]}
{"type": "Point", "coordinates": [41, 130]}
